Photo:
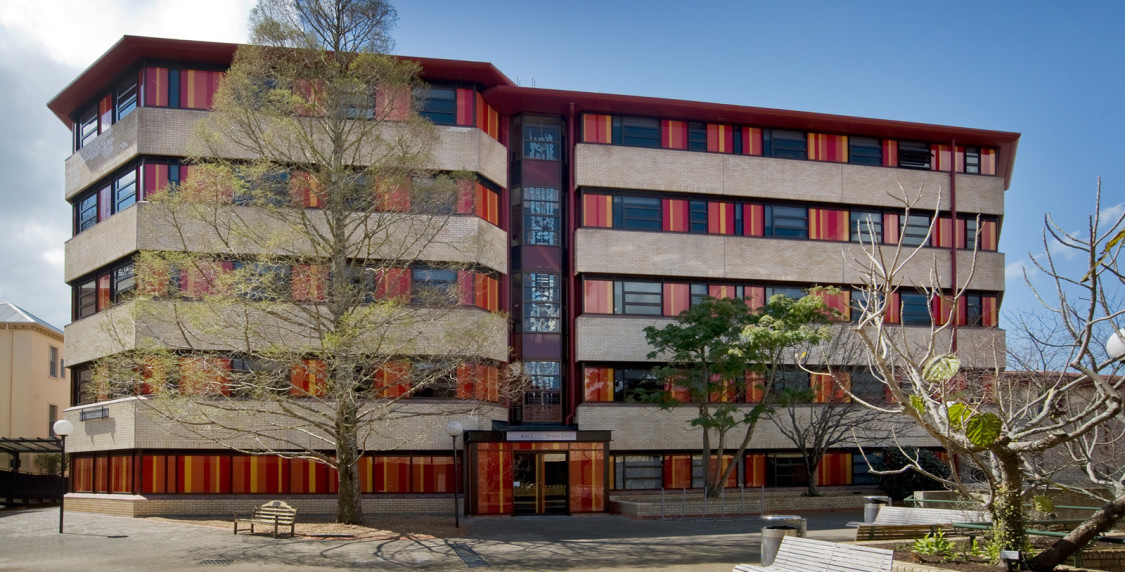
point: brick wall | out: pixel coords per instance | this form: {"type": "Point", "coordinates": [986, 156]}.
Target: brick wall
{"type": "Point", "coordinates": [322, 506]}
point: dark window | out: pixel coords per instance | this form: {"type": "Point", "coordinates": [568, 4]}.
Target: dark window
{"type": "Point", "coordinates": [87, 127]}
{"type": "Point", "coordinates": [123, 283]}
{"type": "Point", "coordinates": [639, 298]}
{"type": "Point", "coordinates": [264, 281]}
{"type": "Point", "coordinates": [974, 310]}
{"type": "Point", "coordinates": [54, 365]}
{"type": "Point", "coordinates": [697, 136]}
{"type": "Point", "coordinates": [865, 151]}
{"type": "Point", "coordinates": [915, 308]}
{"type": "Point", "coordinates": [791, 292]}
{"type": "Point", "coordinates": [125, 190]}
{"type": "Point", "coordinates": [790, 379]}
{"type": "Point", "coordinates": [971, 234]}
{"type": "Point", "coordinates": [52, 416]}
{"type": "Point", "coordinates": [972, 160]}
{"type": "Point", "coordinates": [861, 472]}
{"type": "Point", "coordinates": [786, 471]}
{"type": "Point", "coordinates": [359, 105]}
{"type": "Point", "coordinates": [697, 216]}
{"type": "Point", "coordinates": [634, 384]}
{"type": "Point", "coordinates": [83, 380]}
{"type": "Point", "coordinates": [638, 131]}
{"type": "Point", "coordinates": [542, 138]}
{"type": "Point", "coordinates": [913, 155]}
{"type": "Point", "coordinates": [638, 472]}
{"type": "Point", "coordinates": [431, 287]}
{"type": "Point", "coordinates": [867, 387]}
{"type": "Point", "coordinates": [87, 212]}
{"type": "Point", "coordinates": [698, 293]}
{"type": "Point", "coordinates": [915, 230]}
{"type": "Point", "coordinates": [126, 98]}
{"type": "Point", "coordinates": [541, 216]}
{"type": "Point", "coordinates": [785, 144]}
{"type": "Point", "coordinates": [542, 298]}
{"type": "Point", "coordinates": [433, 380]}
{"type": "Point", "coordinates": [636, 213]}
{"type": "Point", "coordinates": [439, 104]}
{"type": "Point", "coordinates": [867, 227]}
{"type": "Point", "coordinates": [787, 222]}
{"type": "Point", "coordinates": [87, 299]}
{"type": "Point", "coordinates": [858, 302]}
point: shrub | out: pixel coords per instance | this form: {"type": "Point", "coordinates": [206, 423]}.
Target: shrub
{"type": "Point", "coordinates": [901, 485]}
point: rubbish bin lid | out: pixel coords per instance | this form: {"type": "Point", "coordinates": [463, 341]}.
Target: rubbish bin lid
{"type": "Point", "coordinates": [876, 500]}
{"type": "Point", "coordinates": [781, 527]}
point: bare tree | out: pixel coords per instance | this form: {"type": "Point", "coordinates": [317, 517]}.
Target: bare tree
{"type": "Point", "coordinates": [1002, 423]}
{"type": "Point", "coordinates": [309, 276]}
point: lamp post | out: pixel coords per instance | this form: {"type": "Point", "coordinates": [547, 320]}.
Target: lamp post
{"type": "Point", "coordinates": [453, 428]}
{"type": "Point", "coordinates": [1115, 345]}
{"type": "Point", "coordinates": [62, 428]}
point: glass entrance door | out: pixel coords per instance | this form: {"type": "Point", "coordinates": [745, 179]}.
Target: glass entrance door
{"type": "Point", "coordinates": [539, 483]}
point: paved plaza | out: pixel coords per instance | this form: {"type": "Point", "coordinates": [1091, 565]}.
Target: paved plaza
{"type": "Point", "coordinates": [29, 540]}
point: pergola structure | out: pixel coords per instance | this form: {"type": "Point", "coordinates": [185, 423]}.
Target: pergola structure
{"type": "Point", "coordinates": [14, 447]}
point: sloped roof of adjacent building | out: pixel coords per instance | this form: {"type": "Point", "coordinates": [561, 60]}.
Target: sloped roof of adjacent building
{"type": "Point", "coordinates": [13, 314]}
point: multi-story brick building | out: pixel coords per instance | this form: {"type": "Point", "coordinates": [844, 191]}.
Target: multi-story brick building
{"type": "Point", "coordinates": [605, 214]}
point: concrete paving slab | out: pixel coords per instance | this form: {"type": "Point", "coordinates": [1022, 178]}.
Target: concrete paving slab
{"type": "Point", "coordinates": [29, 540]}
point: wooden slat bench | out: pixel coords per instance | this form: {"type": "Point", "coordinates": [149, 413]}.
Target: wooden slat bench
{"type": "Point", "coordinates": [807, 555]}
{"type": "Point", "coordinates": [898, 522]}
{"type": "Point", "coordinates": [275, 513]}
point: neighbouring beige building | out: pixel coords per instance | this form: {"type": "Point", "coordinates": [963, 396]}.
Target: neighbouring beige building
{"type": "Point", "coordinates": [33, 383]}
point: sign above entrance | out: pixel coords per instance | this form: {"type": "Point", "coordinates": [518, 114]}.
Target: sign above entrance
{"type": "Point", "coordinates": [542, 435]}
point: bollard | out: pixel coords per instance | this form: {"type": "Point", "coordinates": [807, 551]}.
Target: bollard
{"type": "Point", "coordinates": [771, 540]}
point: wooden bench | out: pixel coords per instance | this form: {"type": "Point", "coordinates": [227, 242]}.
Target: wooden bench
{"type": "Point", "coordinates": [276, 513]}
{"type": "Point", "coordinates": [899, 522]}
{"type": "Point", "coordinates": [807, 555]}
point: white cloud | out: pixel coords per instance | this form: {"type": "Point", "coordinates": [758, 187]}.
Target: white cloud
{"type": "Point", "coordinates": [1109, 215]}
{"type": "Point", "coordinates": [1014, 270]}
{"type": "Point", "coordinates": [74, 32]}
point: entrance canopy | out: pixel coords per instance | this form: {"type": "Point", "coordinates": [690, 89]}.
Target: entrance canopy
{"type": "Point", "coordinates": [14, 447]}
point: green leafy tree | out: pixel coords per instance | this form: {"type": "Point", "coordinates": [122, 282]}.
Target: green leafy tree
{"type": "Point", "coordinates": [711, 347]}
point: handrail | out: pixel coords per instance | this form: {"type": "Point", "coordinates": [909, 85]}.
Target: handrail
{"type": "Point", "coordinates": [913, 500]}
{"type": "Point", "coordinates": [1055, 533]}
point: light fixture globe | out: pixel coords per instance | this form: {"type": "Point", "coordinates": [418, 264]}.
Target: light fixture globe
{"type": "Point", "coordinates": [453, 428]}
{"type": "Point", "coordinates": [1115, 345]}
{"type": "Point", "coordinates": [62, 427]}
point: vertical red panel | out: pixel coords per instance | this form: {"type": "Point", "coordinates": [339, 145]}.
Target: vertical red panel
{"type": "Point", "coordinates": [121, 474]}
{"type": "Point", "coordinates": [751, 141]}
{"type": "Point", "coordinates": [392, 104]}
{"type": "Point", "coordinates": [675, 215]}
{"type": "Point", "coordinates": [754, 220]}
{"type": "Point", "coordinates": [720, 217]}
{"type": "Point", "coordinates": [587, 480]}
{"type": "Point", "coordinates": [835, 469]}
{"type": "Point", "coordinates": [825, 147]}
{"type": "Point", "coordinates": [721, 291]}
{"type": "Point", "coordinates": [494, 480]}
{"type": "Point", "coordinates": [204, 376]}
{"type": "Point", "coordinates": [890, 153]}
{"type": "Point", "coordinates": [153, 476]}
{"type": "Point", "coordinates": [755, 470]}
{"type": "Point", "coordinates": [155, 89]}
{"type": "Point", "coordinates": [154, 178]}
{"type": "Point", "coordinates": [392, 379]}
{"type": "Point", "coordinates": [678, 390]}
{"type": "Point", "coordinates": [959, 159]}
{"type": "Point", "coordinates": [82, 471]}
{"type": "Point", "coordinates": [393, 195]}
{"type": "Point", "coordinates": [677, 298]}
{"type": "Point", "coordinates": [105, 113]}
{"type": "Point", "coordinates": [840, 302]}
{"type": "Point", "coordinates": [307, 378]}
{"type": "Point", "coordinates": [598, 383]}
{"type": "Point", "coordinates": [103, 292]}
{"type": "Point", "coordinates": [959, 233]}
{"type": "Point", "coordinates": [487, 204]}
{"type": "Point", "coordinates": [597, 210]}
{"type": "Point", "coordinates": [465, 288]}
{"type": "Point", "coordinates": [393, 284]}
{"type": "Point", "coordinates": [197, 88]}
{"type": "Point", "coordinates": [828, 224]}
{"type": "Point", "coordinates": [940, 307]}
{"type": "Point", "coordinates": [941, 158]}
{"type": "Point", "coordinates": [392, 474]}
{"type": "Point", "coordinates": [894, 310]}
{"type": "Point", "coordinates": [673, 134]}
{"type": "Point", "coordinates": [989, 311]}
{"type": "Point", "coordinates": [105, 203]}
{"type": "Point", "coordinates": [755, 296]}
{"type": "Point", "coordinates": [890, 228]}
{"type": "Point", "coordinates": [597, 296]}
{"type": "Point", "coordinates": [467, 195]}
{"type": "Point", "coordinates": [987, 233]}
{"type": "Point", "coordinates": [597, 128]}
{"type": "Point", "coordinates": [466, 97]}
{"type": "Point", "coordinates": [308, 282]}
{"type": "Point", "coordinates": [486, 292]}
{"type": "Point", "coordinates": [987, 161]}
{"type": "Point", "coordinates": [305, 190]}
{"type": "Point", "coordinates": [720, 138]}
{"type": "Point", "coordinates": [677, 471]}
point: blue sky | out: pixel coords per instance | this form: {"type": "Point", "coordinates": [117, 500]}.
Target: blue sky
{"type": "Point", "coordinates": [1048, 70]}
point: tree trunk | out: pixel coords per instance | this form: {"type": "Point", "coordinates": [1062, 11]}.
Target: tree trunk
{"type": "Point", "coordinates": [1065, 547]}
{"type": "Point", "coordinates": [349, 507]}
{"type": "Point", "coordinates": [1007, 507]}
{"type": "Point", "coordinates": [812, 466]}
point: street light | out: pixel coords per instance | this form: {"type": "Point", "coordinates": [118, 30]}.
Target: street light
{"type": "Point", "coordinates": [1115, 345]}
{"type": "Point", "coordinates": [62, 428]}
{"type": "Point", "coordinates": [453, 428]}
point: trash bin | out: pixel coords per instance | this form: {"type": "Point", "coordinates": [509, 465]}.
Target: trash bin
{"type": "Point", "coordinates": [771, 540]}
{"type": "Point", "coordinates": [793, 520]}
{"type": "Point", "coordinates": [871, 507]}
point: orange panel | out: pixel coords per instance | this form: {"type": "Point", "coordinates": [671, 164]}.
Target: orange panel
{"type": "Point", "coordinates": [677, 472]}
{"type": "Point", "coordinates": [598, 296]}
{"type": "Point", "coordinates": [673, 134]}
{"type": "Point", "coordinates": [597, 210]}
{"type": "Point", "coordinates": [677, 298]}
{"type": "Point", "coordinates": [493, 484]}
{"type": "Point", "coordinates": [598, 383]}
{"type": "Point", "coordinates": [720, 138]}
{"type": "Point", "coordinates": [597, 128]}
{"type": "Point", "coordinates": [587, 481]}
{"type": "Point", "coordinates": [755, 470]}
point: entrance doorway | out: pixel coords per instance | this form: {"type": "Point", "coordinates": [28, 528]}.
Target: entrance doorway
{"type": "Point", "coordinates": [539, 483]}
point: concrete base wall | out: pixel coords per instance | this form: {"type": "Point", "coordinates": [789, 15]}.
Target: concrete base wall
{"type": "Point", "coordinates": [735, 502]}
{"type": "Point", "coordinates": [225, 506]}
